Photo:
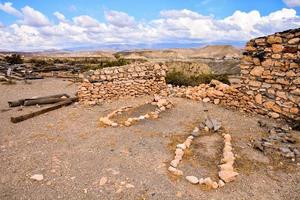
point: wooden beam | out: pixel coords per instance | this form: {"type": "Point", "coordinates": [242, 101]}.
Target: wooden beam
{"type": "Point", "coordinates": [21, 118]}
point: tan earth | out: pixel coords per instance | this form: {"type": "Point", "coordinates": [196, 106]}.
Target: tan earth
{"type": "Point", "coordinates": [72, 157]}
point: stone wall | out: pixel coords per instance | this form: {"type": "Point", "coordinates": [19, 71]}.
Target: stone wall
{"type": "Point", "coordinates": [136, 79]}
{"type": "Point", "coordinates": [271, 74]}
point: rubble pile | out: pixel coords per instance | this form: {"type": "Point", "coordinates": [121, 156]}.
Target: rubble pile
{"type": "Point", "coordinates": [137, 79]}
{"type": "Point", "coordinates": [278, 141]}
{"type": "Point", "coordinates": [216, 92]}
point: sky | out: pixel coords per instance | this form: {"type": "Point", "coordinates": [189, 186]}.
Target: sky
{"type": "Point", "coordinates": [32, 25]}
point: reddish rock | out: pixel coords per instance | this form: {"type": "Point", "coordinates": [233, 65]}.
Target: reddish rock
{"type": "Point", "coordinates": [257, 71]}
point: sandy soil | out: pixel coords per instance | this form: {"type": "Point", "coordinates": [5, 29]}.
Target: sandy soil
{"type": "Point", "coordinates": [76, 156]}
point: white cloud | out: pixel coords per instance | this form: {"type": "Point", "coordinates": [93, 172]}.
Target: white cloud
{"type": "Point", "coordinates": [181, 14]}
{"type": "Point", "coordinates": [292, 3]}
{"type": "Point", "coordinates": [34, 31]}
{"type": "Point", "coordinates": [119, 19]}
{"type": "Point", "coordinates": [7, 7]}
{"type": "Point", "coordinates": [85, 21]}
{"type": "Point", "coordinates": [60, 16]}
{"type": "Point", "coordinates": [33, 17]}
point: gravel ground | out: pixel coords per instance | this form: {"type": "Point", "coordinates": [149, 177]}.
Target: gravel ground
{"type": "Point", "coordinates": [81, 160]}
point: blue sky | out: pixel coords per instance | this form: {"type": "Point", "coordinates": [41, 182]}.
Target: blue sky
{"type": "Point", "coordinates": [67, 24]}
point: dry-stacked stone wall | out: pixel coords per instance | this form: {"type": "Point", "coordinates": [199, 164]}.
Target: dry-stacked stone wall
{"type": "Point", "coordinates": [271, 74]}
{"type": "Point", "coordinates": [136, 79]}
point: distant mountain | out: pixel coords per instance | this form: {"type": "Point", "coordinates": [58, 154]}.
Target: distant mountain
{"type": "Point", "coordinates": [211, 52]}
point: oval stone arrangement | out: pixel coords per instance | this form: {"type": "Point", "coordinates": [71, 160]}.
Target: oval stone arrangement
{"type": "Point", "coordinates": [226, 173]}
{"type": "Point", "coordinates": [161, 103]}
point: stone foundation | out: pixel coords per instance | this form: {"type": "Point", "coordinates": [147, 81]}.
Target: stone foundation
{"type": "Point", "coordinates": [134, 80]}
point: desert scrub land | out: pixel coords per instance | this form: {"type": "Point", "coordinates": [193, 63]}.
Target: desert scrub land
{"type": "Point", "coordinates": [79, 159]}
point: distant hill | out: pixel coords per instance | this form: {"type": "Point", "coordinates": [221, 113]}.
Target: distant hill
{"type": "Point", "coordinates": [211, 52]}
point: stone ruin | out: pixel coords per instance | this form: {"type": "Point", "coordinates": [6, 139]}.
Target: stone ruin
{"type": "Point", "coordinates": [271, 74]}
{"type": "Point", "coordinates": [270, 80]}
{"type": "Point", "coordinates": [134, 80]}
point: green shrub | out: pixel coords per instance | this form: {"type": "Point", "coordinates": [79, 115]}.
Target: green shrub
{"type": "Point", "coordinates": [14, 59]}
{"type": "Point", "coordinates": [181, 79]}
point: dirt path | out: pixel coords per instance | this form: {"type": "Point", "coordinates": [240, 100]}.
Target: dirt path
{"type": "Point", "coordinates": [80, 160]}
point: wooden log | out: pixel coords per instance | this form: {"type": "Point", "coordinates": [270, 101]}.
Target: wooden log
{"type": "Point", "coordinates": [32, 102]}
{"type": "Point", "coordinates": [21, 118]}
{"type": "Point", "coordinates": [20, 102]}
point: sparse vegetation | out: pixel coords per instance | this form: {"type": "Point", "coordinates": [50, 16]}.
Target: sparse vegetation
{"type": "Point", "coordinates": [181, 79]}
{"type": "Point", "coordinates": [104, 64]}
{"type": "Point", "coordinates": [14, 59]}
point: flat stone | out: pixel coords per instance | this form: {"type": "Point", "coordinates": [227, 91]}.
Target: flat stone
{"type": "Point", "coordinates": [37, 177]}
{"type": "Point", "coordinates": [257, 71]}
{"type": "Point", "coordinates": [174, 163]}
{"type": "Point", "coordinates": [228, 176]}
{"type": "Point", "coordinates": [221, 183]}
{"type": "Point", "coordinates": [192, 179]}
{"type": "Point", "coordinates": [181, 146]}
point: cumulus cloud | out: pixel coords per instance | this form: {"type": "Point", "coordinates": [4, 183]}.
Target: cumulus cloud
{"type": "Point", "coordinates": [33, 17]}
{"type": "Point", "coordinates": [292, 3]}
{"type": "Point", "coordinates": [34, 31]}
{"type": "Point", "coordinates": [85, 21]}
{"type": "Point", "coordinates": [181, 14]}
{"type": "Point", "coordinates": [8, 8]}
{"type": "Point", "coordinates": [60, 16]}
{"type": "Point", "coordinates": [119, 19]}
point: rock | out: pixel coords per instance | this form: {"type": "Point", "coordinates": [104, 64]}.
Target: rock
{"type": "Point", "coordinates": [188, 143]}
{"type": "Point", "coordinates": [201, 181]}
{"type": "Point", "coordinates": [277, 48]}
{"type": "Point", "coordinates": [129, 186]}
{"type": "Point", "coordinates": [274, 39]}
{"type": "Point", "coordinates": [181, 146]}
{"type": "Point", "coordinates": [192, 179]}
{"type": "Point", "coordinates": [195, 134]}
{"type": "Point", "coordinates": [257, 71]}
{"type": "Point", "coordinates": [141, 117]}
{"type": "Point", "coordinates": [207, 181]}
{"type": "Point", "coordinates": [103, 181]}
{"type": "Point", "coordinates": [175, 171]}
{"type": "Point", "coordinates": [206, 100]}
{"type": "Point", "coordinates": [174, 163]}
{"type": "Point", "coordinates": [274, 115]}
{"type": "Point", "coordinates": [106, 121]}
{"type": "Point", "coordinates": [294, 41]}
{"type": "Point", "coordinates": [190, 137]}
{"type": "Point", "coordinates": [114, 124]}
{"type": "Point", "coordinates": [214, 185]}
{"type": "Point", "coordinates": [37, 177]}
{"type": "Point", "coordinates": [216, 101]}
{"type": "Point", "coordinates": [258, 99]}
{"type": "Point", "coordinates": [206, 128]}
{"type": "Point", "coordinates": [226, 166]}
{"type": "Point", "coordinates": [221, 183]}
{"type": "Point", "coordinates": [196, 130]}
{"type": "Point", "coordinates": [179, 151]}
{"type": "Point", "coordinates": [228, 176]}
{"type": "Point", "coordinates": [147, 116]}
{"type": "Point", "coordinates": [127, 123]}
